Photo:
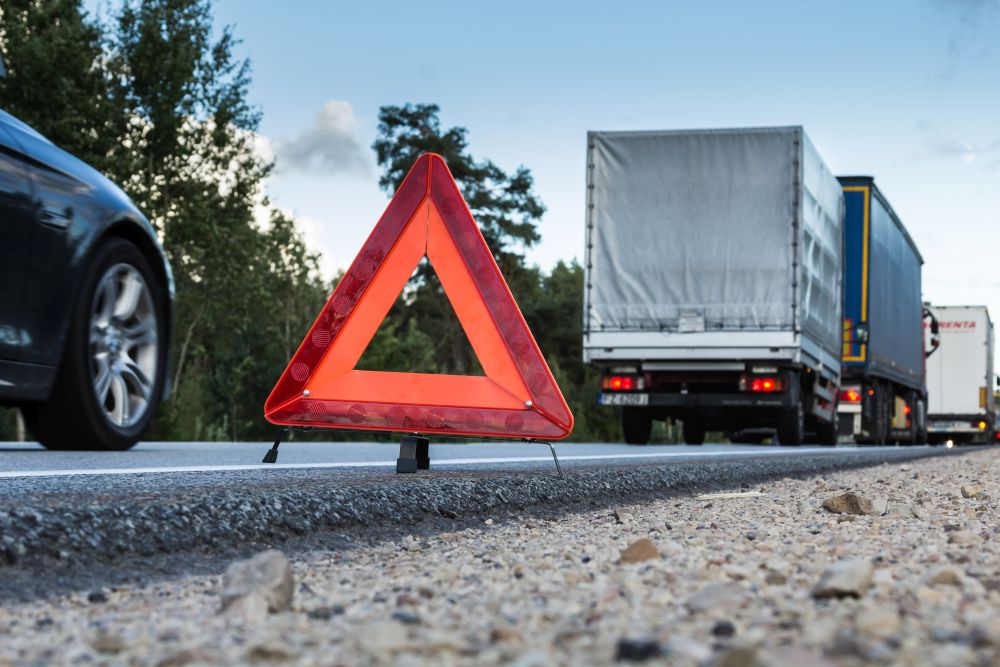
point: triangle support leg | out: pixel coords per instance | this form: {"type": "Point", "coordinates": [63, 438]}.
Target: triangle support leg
{"type": "Point", "coordinates": [552, 448]}
{"type": "Point", "coordinates": [414, 454]}
{"type": "Point", "coordinates": [272, 454]}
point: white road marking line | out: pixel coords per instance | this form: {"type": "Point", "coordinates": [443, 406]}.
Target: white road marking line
{"type": "Point", "coordinates": [435, 462]}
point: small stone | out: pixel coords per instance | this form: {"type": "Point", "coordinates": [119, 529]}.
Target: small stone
{"type": "Point", "coordinates": [188, 656]}
{"type": "Point", "coordinates": [880, 506]}
{"type": "Point", "coordinates": [106, 641]}
{"type": "Point", "coordinates": [97, 597]}
{"type": "Point", "coordinates": [973, 491]}
{"type": "Point", "coordinates": [904, 511]}
{"type": "Point", "coordinates": [845, 578]}
{"type": "Point", "coordinates": [505, 634]}
{"type": "Point", "coordinates": [488, 522]}
{"type": "Point", "coordinates": [717, 598]}
{"type": "Point", "coordinates": [964, 538]}
{"type": "Point", "coordinates": [270, 653]}
{"type": "Point", "coordinates": [945, 576]}
{"type": "Point", "coordinates": [640, 550]}
{"type": "Point", "coordinates": [724, 629]}
{"type": "Point", "coordinates": [623, 517]}
{"type": "Point", "coordinates": [775, 578]}
{"type": "Point", "coordinates": [267, 575]}
{"type": "Point", "coordinates": [406, 617]}
{"type": "Point", "coordinates": [848, 503]}
{"type": "Point", "coordinates": [325, 613]}
{"type": "Point", "coordinates": [882, 621]}
{"type": "Point", "coordinates": [384, 637]}
{"type": "Point", "coordinates": [783, 656]}
{"type": "Point", "coordinates": [637, 650]}
{"type": "Point", "coordinates": [743, 656]}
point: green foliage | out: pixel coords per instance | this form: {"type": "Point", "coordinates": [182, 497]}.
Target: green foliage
{"type": "Point", "coordinates": [55, 78]}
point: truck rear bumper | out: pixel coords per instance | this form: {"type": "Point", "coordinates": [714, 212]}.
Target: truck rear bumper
{"type": "Point", "coordinates": [663, 400]}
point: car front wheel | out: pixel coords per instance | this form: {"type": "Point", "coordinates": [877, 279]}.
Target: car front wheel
{"type": "Point", "coordinates": [110, 380]}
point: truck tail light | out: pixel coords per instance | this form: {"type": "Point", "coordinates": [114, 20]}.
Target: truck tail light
{"type": "Point", "coordinates": [761, 385]}
{"type": "Point", "coordinates": [981, 425]}
{"type": "Point", "coordinates": [622, 383]}
{"type": "Point", "coordinates": [850, 396]}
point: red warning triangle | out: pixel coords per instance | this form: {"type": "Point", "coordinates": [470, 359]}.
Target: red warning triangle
{"type": "Point", "coordinates": [516, 398]}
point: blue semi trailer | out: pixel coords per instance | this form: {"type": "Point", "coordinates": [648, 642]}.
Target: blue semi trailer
{"type": "Point", "coordinates": [883, 396]}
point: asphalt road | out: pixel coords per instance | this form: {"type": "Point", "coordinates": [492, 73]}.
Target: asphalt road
{"type": "Point", "coordinates": [30, 460]}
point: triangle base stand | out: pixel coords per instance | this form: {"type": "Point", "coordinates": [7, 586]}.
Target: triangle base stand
{"type": "Point", "coordinates": [414, 452]}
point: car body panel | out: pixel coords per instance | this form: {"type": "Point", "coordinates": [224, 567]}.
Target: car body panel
{"type": "Point", "coordinates": [72, 208]}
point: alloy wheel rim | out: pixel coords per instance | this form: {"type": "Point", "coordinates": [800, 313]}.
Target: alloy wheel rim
{"type": "Point", "coordinates": [123, 345]}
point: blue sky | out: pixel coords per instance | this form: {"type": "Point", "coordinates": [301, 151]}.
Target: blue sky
{"type": "Point", "coordinates": [908, 91]}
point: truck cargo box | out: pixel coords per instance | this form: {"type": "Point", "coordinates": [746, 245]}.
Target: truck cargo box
{"type": "Point", "coordinates": [712, 245]}
{"type": "Point", "coordinates": [883, 307]}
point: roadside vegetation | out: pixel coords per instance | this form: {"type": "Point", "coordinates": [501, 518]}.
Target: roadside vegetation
{"type": "Point", "coordinates": [153, 96]}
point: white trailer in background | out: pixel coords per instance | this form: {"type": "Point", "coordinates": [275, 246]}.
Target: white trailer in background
{"type": "Point", "coordinates": [960, 376]}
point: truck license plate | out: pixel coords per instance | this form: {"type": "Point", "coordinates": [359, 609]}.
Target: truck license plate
{"type": "Point", "coordinates": [624, 399]}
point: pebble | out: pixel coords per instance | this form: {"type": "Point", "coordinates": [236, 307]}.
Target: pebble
{"type": "Point", "coordinates": [845, 578]}
{"type": "Point", "coordinates": [267, 576]}
{"type": "Point", "coordinates": [717, 598]}
{"type": "Point", "coordinates": [97, 597]}
{"type": "Point", "coordinates": [623, 517]}
{"type": "Point", "coordinates": [637, 650]}
{"type": "Point", "coordinates": [973, 491]}
{"type": "Point", "coordinates": [848, 503]}
{"type": "Point", "coordinates": [724, 629]}
{"type": "Point", "coordinates": [641, 550]}
{"type": "Point", "coordinates": [964, 538]}
{"type": "Point", "coordinates": [945, 576]}
{"type": "Point", "coordinates": [879, 621]}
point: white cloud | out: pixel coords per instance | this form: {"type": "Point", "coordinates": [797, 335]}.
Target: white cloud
{"type": "Point", "coordinates": [330, 145]}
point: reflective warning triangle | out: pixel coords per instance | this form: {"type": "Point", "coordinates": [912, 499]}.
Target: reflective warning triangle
{"type": "Point", "coordinates": [517, 397]}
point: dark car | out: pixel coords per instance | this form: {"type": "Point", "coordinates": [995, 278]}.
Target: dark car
{"type": "Point", "coordinates": [86, 299]}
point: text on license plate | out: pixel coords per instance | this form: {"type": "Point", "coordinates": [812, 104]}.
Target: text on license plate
{"type": "Point", "coordinates": [624, 399]}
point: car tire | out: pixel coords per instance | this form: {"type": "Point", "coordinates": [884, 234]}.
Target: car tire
{"type": "Point", "coordinates": [693, 432]}
{"type": "Point", "coordinates": [637, 425]}
{"type": "Point", "coordinates": [110, 381]}
{"type": "Point", "coordinates": [791, 426]}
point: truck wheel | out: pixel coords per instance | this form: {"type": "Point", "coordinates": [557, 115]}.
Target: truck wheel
{"type": "Point", "coordinates": [694, 432]}
{"type": "Point", "coordinates": [637, 425]}
{"type": "Point", "coordinates": [828, 432]}
{"type": "Point", "coordinates": [791, 426]}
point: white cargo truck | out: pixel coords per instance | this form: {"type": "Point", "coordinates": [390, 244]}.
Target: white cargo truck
{"type": "Point", "coordinates": [960, 376]}
{"type": "Point", "coordinates": [713, 281]}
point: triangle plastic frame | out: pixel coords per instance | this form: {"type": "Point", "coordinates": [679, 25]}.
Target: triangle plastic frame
{"type": "Point", "coordinates": [516, 398]}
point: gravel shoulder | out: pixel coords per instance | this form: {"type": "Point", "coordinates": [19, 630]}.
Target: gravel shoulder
{"type": "Point", "coordinates": [74, 522]}
{"type": "Point", "coordinates": [764, 576]}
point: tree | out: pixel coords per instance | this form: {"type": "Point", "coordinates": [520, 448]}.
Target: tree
{"type": "Point", "coordinates": [53, 52]}
{"type": "Point", "coordinates": [504, 205]}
